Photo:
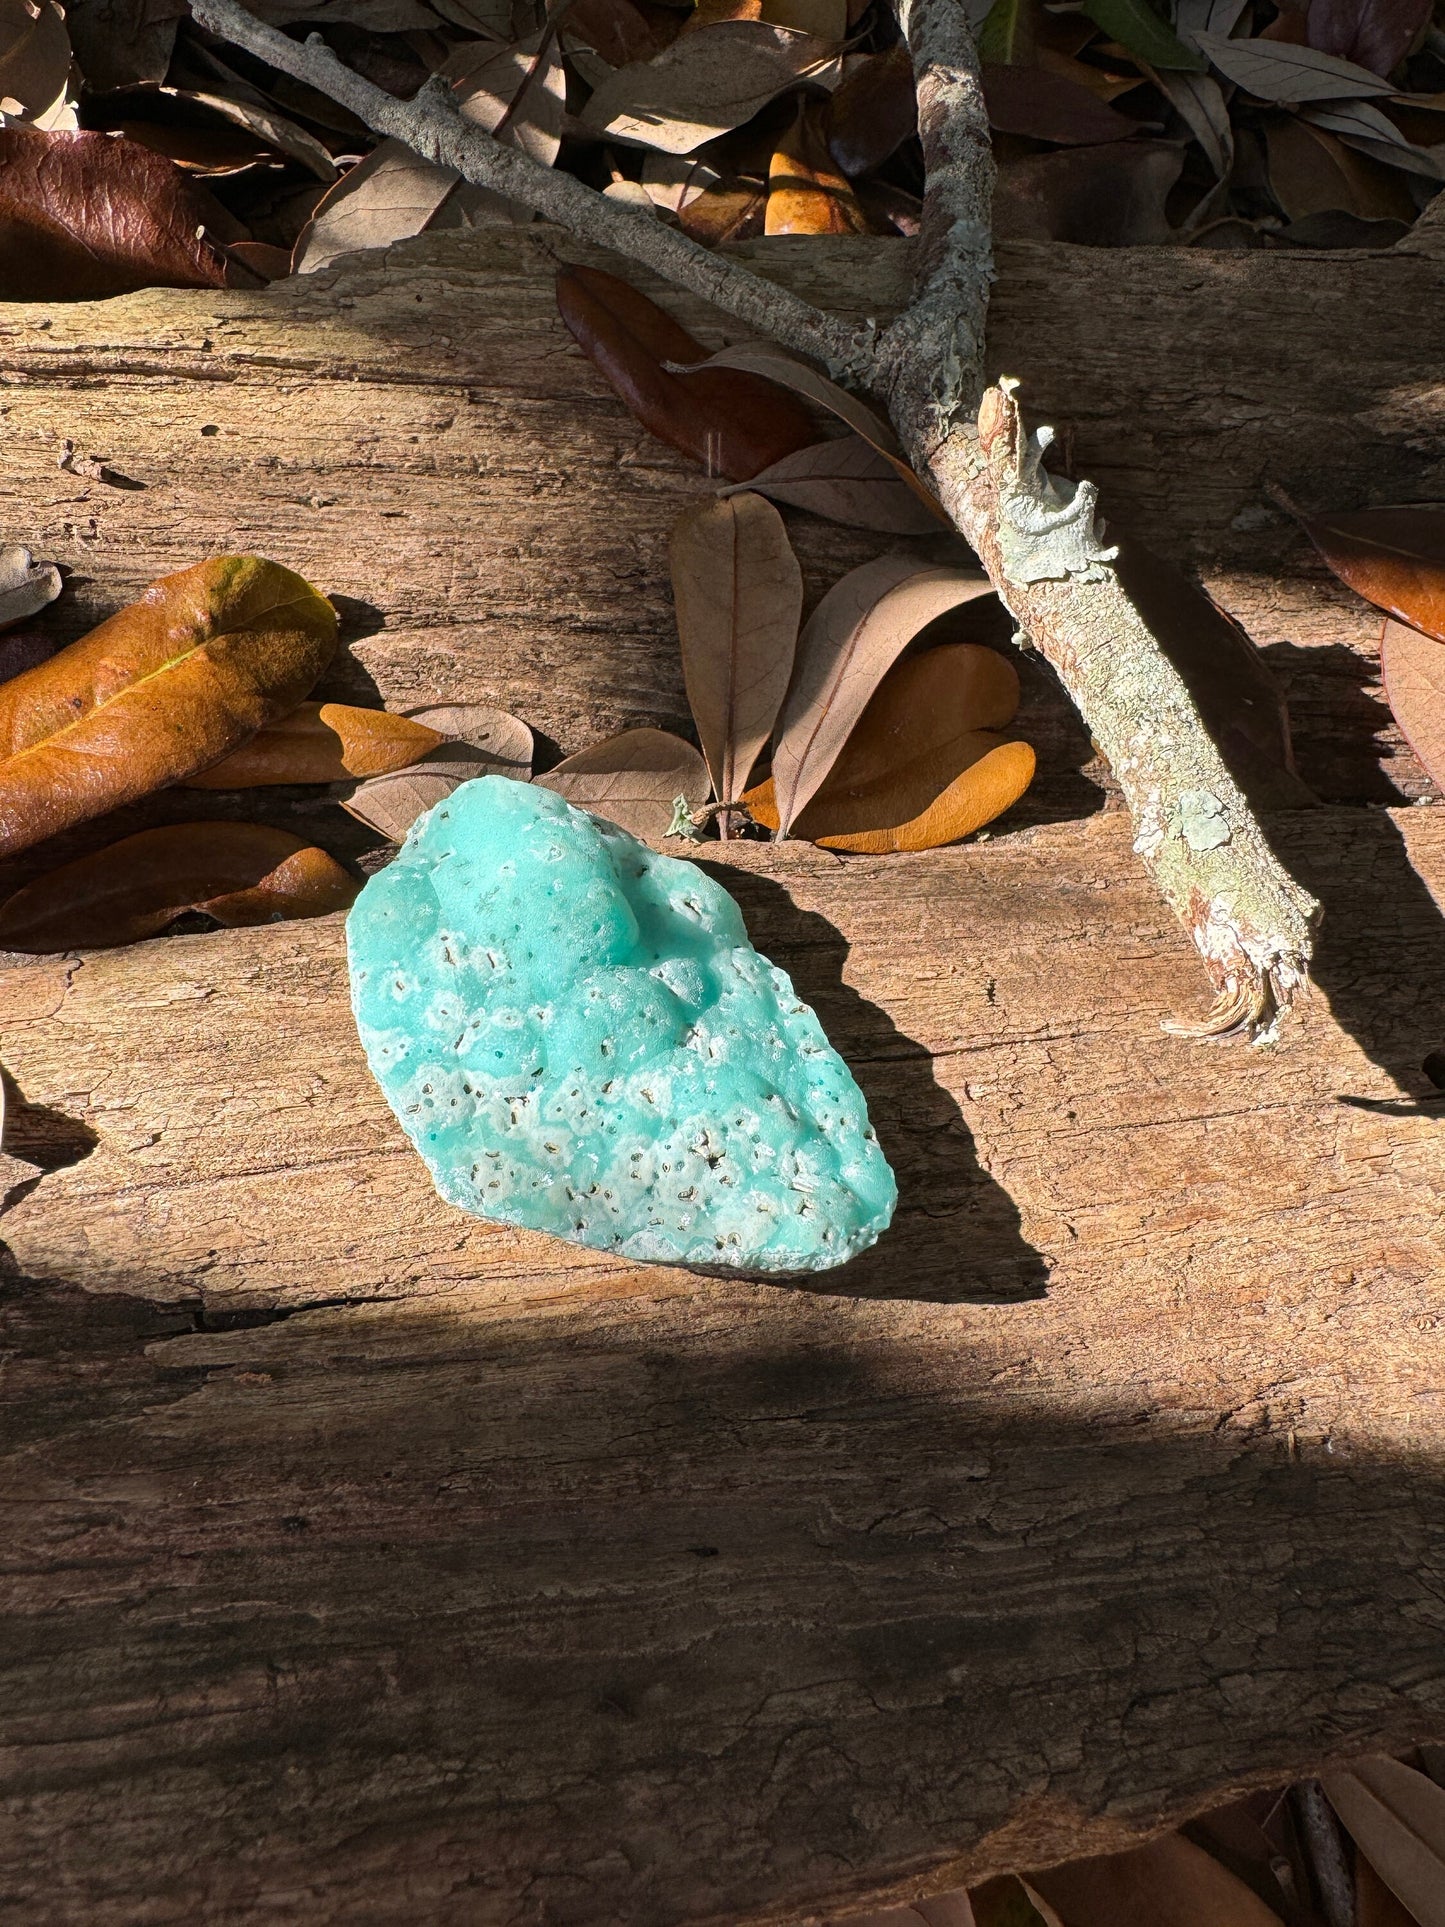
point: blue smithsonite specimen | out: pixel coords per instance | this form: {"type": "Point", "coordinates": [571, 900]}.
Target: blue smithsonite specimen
{"type": "Point", "coordinates": [577, 1036]}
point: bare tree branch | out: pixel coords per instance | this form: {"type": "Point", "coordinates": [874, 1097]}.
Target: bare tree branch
{"type": "Point", "coordinates": [432, 126]}
{"type": "Point", "coordinates": [1037, 536]}
{"type": "Point", "coordinates": [1046, 554]}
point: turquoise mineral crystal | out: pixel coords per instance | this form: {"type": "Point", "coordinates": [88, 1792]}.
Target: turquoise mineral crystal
{"type": "Point", "coordinates": [577, 1036]}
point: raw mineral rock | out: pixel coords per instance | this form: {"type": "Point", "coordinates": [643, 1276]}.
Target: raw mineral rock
{"type": "Point", "coordinates": [577, 1036]}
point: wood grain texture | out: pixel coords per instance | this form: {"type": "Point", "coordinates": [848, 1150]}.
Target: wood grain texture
{"type": "Point", "coordinates": [363, 1563]}
{"type": "Point", "coordinates": [425, 1570]}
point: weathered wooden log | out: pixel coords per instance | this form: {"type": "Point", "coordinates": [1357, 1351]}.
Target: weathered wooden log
{"type": "Point", "coordinates": [367, 1563]}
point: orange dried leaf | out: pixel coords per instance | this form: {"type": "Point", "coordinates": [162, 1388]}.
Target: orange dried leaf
{"type": "Point", "coordinates": [321, 743]}
{"type": "Point", "coordinates": [995, 775]}
{"type": "Point", "coordinates": [849, 643]}
{"type": "Point", "coordinates": [806, 192]}
{"type": "Point", "coordinates": [1414, 667]}
{"type": "Point", "coordinates": [160, 691]}
{"type": "Point", "coordinates": [238, 873]}
{"type": "Point", "coordinates": [1393, 557]}
{"type": "Point", "coordinates": [733, 422]}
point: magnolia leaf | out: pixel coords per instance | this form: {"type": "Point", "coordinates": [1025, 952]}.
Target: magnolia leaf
{"type": "Point", "coordinates": [36, 65]}
{"type": "Point", "coordinates": [738, 592]}
{"type": "Point", "coordinates": [524, 85]}
{"type": "Point", "coordinates": [389, 196]}
{"type": "Point", "coordinates": [727, 419]}
{"type": "Point", "coordinates": [848, 480]}
{"type": "Point", "coordinates": [1375, 1905]}
{"type": "Point", "coordinates": [615, 29]}
{"type": "Point", "coordinates": [1414, 669]}
{"type": "Point", "coordinates": [321, 743]}
{"type": "Point", "coordinates": [238, 873]}
{"type": "Point", "coordinates": [1113, 195]}
{"type": "Point", "coordinates": [1373, 33]}
{"type": "Point", "coordinates": [1393, 557]}
{"type": "Point", "coordinates": [392, 803]}
{"type": "Point", "coordinates": [84, 216]}
{"type": "Point", "coordinates": [806, 193]}
{"type": "Point", "coordinates": [1135, 25]}
{"type": "Point", "coordinates": [1396, 1817]}
{"type": "Point", "coordinates": [633, 779]}
{"type": "Point", "coordinates": [897, 785]}
{"type": "Point", "coordinates": [26, 586]}
{"type": "Point", "coordinates": [706, 83]}
{"type": "Point", "coordinates": [160, 691]}
{"type": "Point", "coordinates": [503, 737]}
{"type": "Point", "coordinates": [1042, 106]}
{"type": "Point", "coordinates": [182, 123]}
{"type": "Point", "coordinates": [1006, 38]}
{"type": "Point", "coordinates": [1199, 101]}
{"type": "Point", "coordinates": [1168, 1882]}
{"type": "Point", "coordinates": [826, 20]}
{"type": "Point", "coordinates": [1311, 172]}
{"type": "Point", "coordinates": [849, 643]}
{"type": "Point", "coordinates": [1007, 1901]}
{"type": "Point", "coordinates": [1375, 134]}
{"type": "Point", "coordinates": [872, 112]}
{"type": "Point", "coordinates": [1275, 70]}
{"type": "Point", "coordinates": [777, 365]}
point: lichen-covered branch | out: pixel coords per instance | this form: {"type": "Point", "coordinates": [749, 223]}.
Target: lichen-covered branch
{"type": "Point", "coordinates": [432, 126]}
{"type": "Point", "coordinates": [1044, 550]}
{"type": "Point", "coordinates": [1036, 535]}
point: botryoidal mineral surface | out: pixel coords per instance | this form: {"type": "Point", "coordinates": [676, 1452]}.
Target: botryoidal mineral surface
{"type": "Point", "coordinates": [578, 1037]}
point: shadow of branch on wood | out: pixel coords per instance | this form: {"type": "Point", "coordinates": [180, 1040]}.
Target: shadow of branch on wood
{"type": "Point", "coordinates": [955, 1236]}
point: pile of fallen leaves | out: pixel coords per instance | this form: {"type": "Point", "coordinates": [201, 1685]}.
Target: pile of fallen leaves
{"type": "Point", "coordinates": [1365, 1847]}
{"type": "Point", "coordinates": [137, 150]}
{"type": "Point", "coordinates": [877, 725]}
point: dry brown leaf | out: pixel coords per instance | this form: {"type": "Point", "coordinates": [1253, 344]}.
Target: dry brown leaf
{"type": "Point", "coordinates": [392, 803]}
{"type": "Point", "coordinates": [505, 738]}
{"type": "Point", "coordinates": [738, 593]}
{"type": "Point", "coordinates": [1168, 1882]}
{"type": "Point", "coordinates": [1311, 172]}
{"type": "Point", "coordinates": [1111, 196]}
{"type": "Point", "coordinates": [1007, 1901]}
{"type": "Point", "coordinates": [993, 776]}
{"type": "Point", "coordinates": [777, 365]}
{"type": "Point", "coordinates": [1375, 1905]}
{"type": "Point", "coordinates": [163, 689]}
{"type": "Point", "coordinates": [26, 585]}
{"type": "Point", "coordinates": [826, 20]}
{"type": "Point", "coordinates": [1393, 557]}
{"type": "Point", "coordinates": [898, 780]}
{"type": "Point", "coordinates": [321, 743]}
{"type": "Point", "coordinates": [706, 83]}
{"type": "Point", "coordinates": [390, 196]}
{"type": "Point", "coordinates": [806, 192]}
{"type": "Point", "coordinates": [1396, 1817]}
{"type": "Point", "coordinates": [84, 216]}
{"type": "Point", "coordinates": [849, 643]}
{"type": "Point", "coordinates": [633, 779]}
{"type": "Point", "coordinates": [730, 421]}
{"type": "Point", "coordinates": [872, 112]}
{"type": "Point", "coordinates": [36, 68]}
{"type": "Point", "coordinates": [238, 873]}
{"type": "Point", "coordinates": [848, 480]}
{"type": "Point", "coordinates": [1414, 667]}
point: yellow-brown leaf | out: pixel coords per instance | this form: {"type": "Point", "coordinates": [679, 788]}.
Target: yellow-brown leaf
{"type": "Point", "coordinates": [994, 776]}
{"type": "Point", "coordinates": [807, 194]}
{"type": "Point", "coordinates": [163, 689]}
{"type": "Point", "coordinates": [321, 743]}
{"type": "Point", "coordinates": [238, 873]}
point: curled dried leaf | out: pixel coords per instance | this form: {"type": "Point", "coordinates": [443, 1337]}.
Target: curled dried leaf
{"type": "Point", "coordinates": [848, 480]}
{"type": "Point", "coordinates": [321, 743]}
{"type": "Point", "coordinates": [806, 192]}
{"type": "Point", "coordinates": [849, 643]}
{"type": "Point", "coordinates": [238, 873]}
{"type": "Point", "coordinates": [160, 691]}
{"type": "Point", "coordinates": [633, 779]}
{"type": "Point", "coordinates": [731, 422]}
{"type": "Point", "coordinates": [994, 775]}
{"type": "Point", "coordinates": [25, 585]}
{"type": "Point", "coordinates": [498, 734]}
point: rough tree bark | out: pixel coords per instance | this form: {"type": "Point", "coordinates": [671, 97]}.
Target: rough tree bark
{"type": "Point", "coordinates": [1038, 538]}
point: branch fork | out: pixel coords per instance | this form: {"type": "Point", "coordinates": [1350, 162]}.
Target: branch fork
{"type": "Point", "coordinates": [1038, 536]}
